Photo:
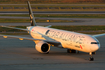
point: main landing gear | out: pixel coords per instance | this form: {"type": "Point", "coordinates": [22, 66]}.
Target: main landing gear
{"type": "Point", "coordinates": [71, 51]}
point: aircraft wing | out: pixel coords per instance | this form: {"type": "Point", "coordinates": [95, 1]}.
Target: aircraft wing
{"type": "Point", "coordinates": [56, 43]}
{"type": "Point", "coordinates": [15, 28]}
{"type": "Point", "coordinates": [99, 35]}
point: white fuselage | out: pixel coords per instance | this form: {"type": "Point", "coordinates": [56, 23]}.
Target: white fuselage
{"type": "Point", "coordinates": [68, 39]}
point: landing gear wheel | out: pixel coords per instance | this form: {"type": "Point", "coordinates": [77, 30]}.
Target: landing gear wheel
{"type": "Point", "coordinates": [91, 59]}
{"type": "Point", "coordinates": [68, 50]}
{"type": "Point", "coordinates": [93, 52]}
{"type": "Point", "coordinates": [71, 51]}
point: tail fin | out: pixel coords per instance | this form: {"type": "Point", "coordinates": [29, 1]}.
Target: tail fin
{"type": "Point", "coordinates": [32, 19]}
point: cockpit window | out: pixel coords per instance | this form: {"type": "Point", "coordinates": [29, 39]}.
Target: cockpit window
{"type": "Point", "coordinates": [94, 42]}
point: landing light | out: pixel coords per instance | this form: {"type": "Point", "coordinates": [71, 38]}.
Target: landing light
{"type": "Point", "coordinates": [21, 38]}
{"type": "Point", "coordinates": [5, 36]}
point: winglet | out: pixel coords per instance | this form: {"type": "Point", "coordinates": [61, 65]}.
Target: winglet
{"type": "Point", "coordinates": [49, 26]}
{"type": "Point", "coordinates": [99, 35]}
{"type": "Point", "coordinates": [32, 19]}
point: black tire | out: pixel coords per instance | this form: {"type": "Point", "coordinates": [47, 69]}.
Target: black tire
{"type": "Point", "coordinates": [68, 50]}
{"type": "Point", "coordinates": [93, 52]}
{"type": "Point", "coordinates": [71, 51]}
{"type": "Point", "coordinates": [91, 59]}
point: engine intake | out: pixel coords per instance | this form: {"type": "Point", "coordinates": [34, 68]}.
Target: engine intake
{"type": "Point", "coordinates": [42, 47]}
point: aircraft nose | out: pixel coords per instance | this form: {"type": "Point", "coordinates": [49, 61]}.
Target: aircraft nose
{"type": "Point", "coordinates": [95, 47]}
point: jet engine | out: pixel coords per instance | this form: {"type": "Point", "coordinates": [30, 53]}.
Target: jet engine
{"type": "Point", "coordinates": [42, 47]}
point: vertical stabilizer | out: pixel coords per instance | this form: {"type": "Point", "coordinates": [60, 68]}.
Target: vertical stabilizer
{"type": "Point", "coordinates": [32, 19]}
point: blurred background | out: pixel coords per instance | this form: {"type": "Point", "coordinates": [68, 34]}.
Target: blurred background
{"type": "Point", "coordinates": [73, 15]}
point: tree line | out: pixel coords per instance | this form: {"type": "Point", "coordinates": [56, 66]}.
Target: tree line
{"type": "Point", "coordinates": [53, 1]}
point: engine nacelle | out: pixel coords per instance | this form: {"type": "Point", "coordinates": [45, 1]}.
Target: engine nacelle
{"type": "Point", "coordinates": [42, 47]}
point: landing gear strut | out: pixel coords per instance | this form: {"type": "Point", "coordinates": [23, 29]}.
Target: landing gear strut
{"type": "Point", "coordinates": [91, 58]}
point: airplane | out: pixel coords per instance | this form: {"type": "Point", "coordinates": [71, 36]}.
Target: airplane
{"type": "Point", "coordinates": [45, 37]}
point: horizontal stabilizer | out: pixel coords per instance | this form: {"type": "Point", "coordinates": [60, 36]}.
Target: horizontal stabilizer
{"type": "Point", "coordinates": [15, 28]}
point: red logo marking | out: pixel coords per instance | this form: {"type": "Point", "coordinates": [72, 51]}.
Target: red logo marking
{"type": "Point", "coordinates": [81, 47]}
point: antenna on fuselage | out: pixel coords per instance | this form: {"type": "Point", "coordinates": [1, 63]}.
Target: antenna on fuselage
{"type": "Point", "coordinates": [32, 19]}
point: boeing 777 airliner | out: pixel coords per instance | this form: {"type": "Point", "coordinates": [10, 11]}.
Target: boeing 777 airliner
{"type": "Point", "coordinates": [44, 37]}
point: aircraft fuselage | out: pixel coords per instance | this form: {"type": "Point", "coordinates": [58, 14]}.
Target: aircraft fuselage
{"type": "Point", "coordinates": [68, 39]}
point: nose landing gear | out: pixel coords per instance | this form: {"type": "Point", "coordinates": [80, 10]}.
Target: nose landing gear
{"type": "Point", "coordinates": [74, 51]}
{"type": "Point", "coordinates": [91, 58]}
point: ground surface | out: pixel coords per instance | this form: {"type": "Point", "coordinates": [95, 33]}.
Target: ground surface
{"type": "Point", "coordinates": [19, 55]}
